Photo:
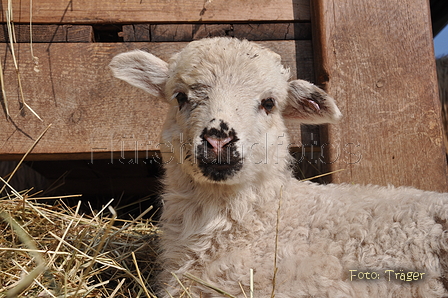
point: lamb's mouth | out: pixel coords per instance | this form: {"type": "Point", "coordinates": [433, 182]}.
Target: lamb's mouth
{"type": "Point", "coordinates": [219, 172]}
{"type": "Point", "coordinates": [219, 166]}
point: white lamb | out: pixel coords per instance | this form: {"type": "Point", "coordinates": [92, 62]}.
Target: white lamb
{"type": "Point", "coordinates": [231, 203]}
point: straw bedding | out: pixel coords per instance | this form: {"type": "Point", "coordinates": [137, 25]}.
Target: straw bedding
{"type": "Point", "coordinates": [54, 251]}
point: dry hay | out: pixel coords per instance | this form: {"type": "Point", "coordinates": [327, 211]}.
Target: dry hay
{"type": "Point", "coordinates": [53, 251]}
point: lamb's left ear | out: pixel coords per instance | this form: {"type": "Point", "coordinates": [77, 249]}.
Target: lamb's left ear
{"type": "Point", "coordinates": [142, 70]}
{"type": "Point", "coordinates": [310, 105]}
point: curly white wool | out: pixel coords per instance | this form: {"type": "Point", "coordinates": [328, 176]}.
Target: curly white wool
{"type": "Point", "coordinates": [223, 217]}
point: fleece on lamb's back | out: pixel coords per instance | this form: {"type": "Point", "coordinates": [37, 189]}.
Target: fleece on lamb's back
{"type": "Point", "coordinates": [230, 197]}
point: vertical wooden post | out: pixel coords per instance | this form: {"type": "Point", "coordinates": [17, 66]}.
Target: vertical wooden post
{"type": "Point", "coordinates": [376, 58]}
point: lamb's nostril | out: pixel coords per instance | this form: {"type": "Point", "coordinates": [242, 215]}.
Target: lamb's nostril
{"type": "Point", "coordinates": [218, 143]}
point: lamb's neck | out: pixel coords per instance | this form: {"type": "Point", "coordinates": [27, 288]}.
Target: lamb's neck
{"type": "Point", "coordinates": [180, 184]}
{"type": "Point", "coordinates": [212, 205]}
{"type": "Point", "coordinates": [193, 210]}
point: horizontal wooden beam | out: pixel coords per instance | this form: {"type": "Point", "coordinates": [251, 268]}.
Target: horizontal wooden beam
{"type": "Point", "coordinates": [138, 11]}
{"type": "Point", "coordinates": [189, 32]}
{"type": "Point", "coordinates": [93, 114]}
{"type": "Point", "coordinates": [48, 33]}
{"type": "Point", "coordinates": [155, 32]}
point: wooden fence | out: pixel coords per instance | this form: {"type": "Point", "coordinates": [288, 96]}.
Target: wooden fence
{"type": "Point", "coordinates": [374, 57]}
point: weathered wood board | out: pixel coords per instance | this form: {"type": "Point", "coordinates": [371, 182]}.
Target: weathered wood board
{"type": "Point", "coordinates": [138, 11]}
{"type": "Point", "coordinates": [91, 112]}
{"type": "Point", "coordinates": [189, 32]}
{"type": "Point", "coordinates": [157, 32]}
{"type": "Point", "coordinates": [48, 33]}
{"type": "Point", "coordinates": [377, 60]}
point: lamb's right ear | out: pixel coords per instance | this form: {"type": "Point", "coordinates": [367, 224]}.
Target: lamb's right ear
{"type": "Point", "coordinates": [142, 70]}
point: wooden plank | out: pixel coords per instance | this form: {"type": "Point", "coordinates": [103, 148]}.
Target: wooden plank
{"type": "Point", "coordinates": [378, 62]}
{"type": "Point", "coordinates": [137, 32]}
{"type": "Point", "coordinates": [211, 30]}
{"type": "Point", "coordinates": [91, 111]}
{"type": "Point", "coordinates": [49, 33]}
{"type": "Point", "coordinates": [189, 32]}
{"type": "Point", "coordinates": [172, 32]}
{"type": "Point", "coordinates": [138, 11]}
{"type": "Point", "coordinates": [273, 31]}
{"type": "Point", "coordinates": [78, 33]}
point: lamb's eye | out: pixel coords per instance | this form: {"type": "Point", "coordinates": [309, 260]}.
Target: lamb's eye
{"type": "Point", "coordinates": [182, 99]}
{"type": "Point", "coordinates": [268, 104]}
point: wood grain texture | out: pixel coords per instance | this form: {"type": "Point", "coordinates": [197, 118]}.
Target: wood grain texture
{"type": "Point", "coordinates": [377, 61]}
{"type": "Point", "coordinates": [189, 32]}
{"type": "Point", "coordinates": [135, 11]}
{"type": "Point", "coordinates": [49, 33]}
{"type": "Point", "coordinates": [137, 32]}
{"type": "Point", "coordinates": [273, 31]}
{"type": "Point", "coordinates": [90, 111]}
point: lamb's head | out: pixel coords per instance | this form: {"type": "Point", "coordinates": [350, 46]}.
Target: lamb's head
{"type": "Point", "coordinates": [227, 100]}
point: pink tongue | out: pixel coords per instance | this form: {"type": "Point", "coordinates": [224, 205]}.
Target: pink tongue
{"type": "Point", "coordinates": [218, 143]}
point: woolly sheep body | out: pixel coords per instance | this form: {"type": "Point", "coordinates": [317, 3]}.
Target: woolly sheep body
{"type": "Point", "coordinates": [324, 231]}
{"type": "Point", "coordinates": [222, 218]}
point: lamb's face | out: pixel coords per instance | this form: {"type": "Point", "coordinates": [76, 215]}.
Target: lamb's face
{"type": "Point", "coordinates": [227, 97]}
{"type": "Point", "coordinates": [226, 109]}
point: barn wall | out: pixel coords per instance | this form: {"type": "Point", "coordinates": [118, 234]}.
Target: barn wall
{"type": "Point", "coordinates": [377, 59]}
